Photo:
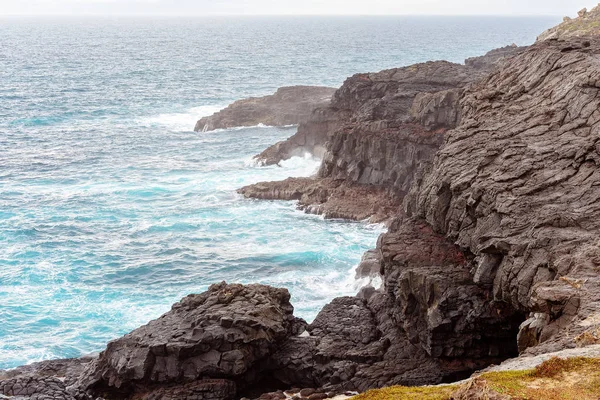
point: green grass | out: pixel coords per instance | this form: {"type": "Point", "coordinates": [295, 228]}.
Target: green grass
{"type": "Point", "coordinates": [555, 379]}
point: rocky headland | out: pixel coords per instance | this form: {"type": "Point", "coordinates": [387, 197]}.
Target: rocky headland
{"type": "Point", "coordinates": [290, 105]}
{"type": "Point", "coordinates": [587, 23]}
{"type": "Point", "coordinates": [488, 177]}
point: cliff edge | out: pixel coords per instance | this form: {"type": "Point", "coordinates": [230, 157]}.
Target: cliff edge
{"type": "Point", "coordinates": [587, 23]}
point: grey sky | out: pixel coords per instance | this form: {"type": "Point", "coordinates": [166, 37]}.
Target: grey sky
{"type": "Point", "coordinates": [253, 7]}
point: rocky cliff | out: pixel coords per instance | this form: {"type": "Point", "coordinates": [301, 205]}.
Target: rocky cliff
{"type": "Point", "coordinates": [387, 99]}
{"type": "Point", "coordinates": [374, 137]}
{"type": "Point", "coordinates": [515, 185]}
{"type": "Point", "coordinates": [496, 251]}
{"type": "Point", "coordinates": [587, 23]}
{"type": "Point", "coordinates": [288, 106]}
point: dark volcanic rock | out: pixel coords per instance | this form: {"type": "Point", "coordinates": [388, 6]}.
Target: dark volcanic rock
{"type": "Point", "coordinates": [425, 94]}
{"type": "Point", "coordinates": [288, 106]}
{"type": "Point", "coordinates": [437, 301]}
{"type": "Point", "coordinates": [377, 132]}
{"type": "Point", "coordinates": [517, 185]}
{"type": "Point", "coordinates": [45, 380]}
{"type": "Point", "coordinates": [223, 332]}
{"type": "Point", "coordinates": [330, 198]}
{"type": "Point", "coordinates": [204, 389]}
{"type": "Point", "coordinates": [494, 58]}
{"type": "Point", "coordinates": [377, 102]}
{"type": "Point", "coordinates": [310, 137]}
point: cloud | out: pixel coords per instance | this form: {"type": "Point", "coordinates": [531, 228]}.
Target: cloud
{"type": "Point", "coordinates": [254, 7]}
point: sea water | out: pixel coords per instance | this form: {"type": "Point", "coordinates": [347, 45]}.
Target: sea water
{"type": "Point", "coordinates": [112, 208]}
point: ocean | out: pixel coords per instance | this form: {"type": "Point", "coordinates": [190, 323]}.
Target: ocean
{"type": "Point", "coordinates": [112, 208]}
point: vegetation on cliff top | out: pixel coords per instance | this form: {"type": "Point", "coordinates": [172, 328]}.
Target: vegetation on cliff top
{"type": "Point", "coordinates": [555, 379]}
{"type": "Point", "coordinates": [586, 24]}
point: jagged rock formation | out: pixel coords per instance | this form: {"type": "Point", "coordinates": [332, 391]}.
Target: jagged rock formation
{"type": "Point", "coordinates": [424, 94]}
{"type": "Point", "coordinates": [377, 131]}
{"type": "Point", "coordinates": [378, 102]}
{"type": "Point", "coordinates": [224, 332]}
{"type": "Point", "coordinates": [516, 185]}
{"type": "Point", "coordinates": [288, 106]}
{"type": "Point", "coordinates": [330, 198]}
{"type": "Point", "coordinates": [587, 23]}
{"type": "Point", "coordinates": [427, 326]}
{"type": "Point", "coordinates": [45, 380]}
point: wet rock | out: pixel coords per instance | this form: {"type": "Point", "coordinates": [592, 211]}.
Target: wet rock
{"type": "Point", "coordinates": [370, 264]}
{"type": "Point", "coordinates": [288, 106]}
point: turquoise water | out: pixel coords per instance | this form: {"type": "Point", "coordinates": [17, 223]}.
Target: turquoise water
{"type": "Point", "coordinates": [111, 208]}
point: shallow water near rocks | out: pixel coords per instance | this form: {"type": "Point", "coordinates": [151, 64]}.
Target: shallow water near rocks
{"type": "Point", "coordinates": [111, 209]}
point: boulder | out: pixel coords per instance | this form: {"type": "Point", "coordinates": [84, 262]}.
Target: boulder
{"type": "Point", "coordinates": [224, 332]}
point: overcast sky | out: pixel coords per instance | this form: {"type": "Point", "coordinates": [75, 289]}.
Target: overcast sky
{"type": "Point", "coordinates": [294, 7]}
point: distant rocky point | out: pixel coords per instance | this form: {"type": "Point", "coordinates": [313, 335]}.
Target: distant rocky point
{"type": "Point", "coordinates": [587, 23]}
{"type": "Point", "coordinates": [289, 105]}
{"type": "Point", "coordinates": [424, 95]}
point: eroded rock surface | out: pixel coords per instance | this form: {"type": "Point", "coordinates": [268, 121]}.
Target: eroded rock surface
{"type": "Point", "coordinates": [377, 132]}
{"type": "Point", "coordinates": [48, 380]}
{"type": "Point", "coordinates": [290, 105]}
{"type": "Point", "coordinates": [224, 332]}
{"type": "Point", "coordinates": [330, 198]}
{"type": "Point", "coordinates": [517, 185]}
{"type": "Point", "coordinates": [430, 324]}
{"type": "Point", "coordinates": [425, 94]}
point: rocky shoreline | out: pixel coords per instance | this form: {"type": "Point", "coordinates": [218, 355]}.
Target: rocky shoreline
{"type": "Point", "coordinates": [487, 175]}
{"type": "Point", "coordinates": [290, 105]}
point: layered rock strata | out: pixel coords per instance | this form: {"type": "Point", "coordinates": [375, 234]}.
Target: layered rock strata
{"type": "Point", "coordinates": [290, 105]}
{"type": "Point", "coordinates": [517, 185]}
{"type": "Point", "coordinates": [374, 137]}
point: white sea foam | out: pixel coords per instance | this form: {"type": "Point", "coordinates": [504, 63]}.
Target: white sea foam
{"type": "Point", "coordinates": [306, 165]}
{"type": "Point", "coordinates": [181, 122]}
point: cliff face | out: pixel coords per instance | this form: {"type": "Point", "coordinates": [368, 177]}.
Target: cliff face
{"type": "Point", "coordinates": [398, 118]}
{"type": "Point", "coordinates": [587, 23]}
{"type": "Point", "coordinates": [373, 138]}
{"type": "Point", "coordinates": [288, 106]}
{"type": "Point", "coordinates": [516, 185]}
{"type": "Point", "coordinates": [423, 94]}
{"type": "Point", "coordinates": [376, 103]}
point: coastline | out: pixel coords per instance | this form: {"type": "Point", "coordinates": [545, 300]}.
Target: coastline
{"type": "Point", "coordinates": [472, 275]}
